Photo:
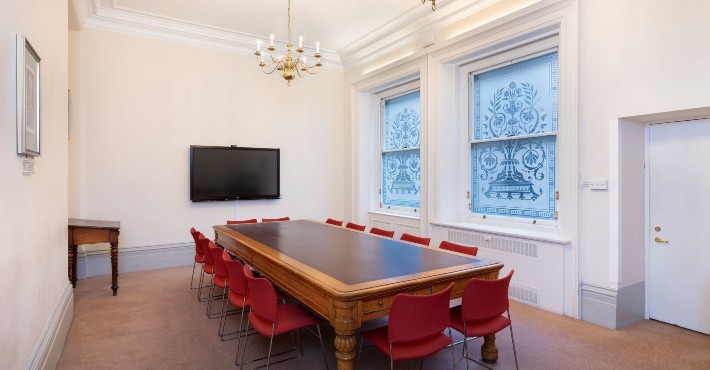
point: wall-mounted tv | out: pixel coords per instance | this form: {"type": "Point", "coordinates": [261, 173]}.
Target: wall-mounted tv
{"type": "Point", "coordinates": [231, 173]}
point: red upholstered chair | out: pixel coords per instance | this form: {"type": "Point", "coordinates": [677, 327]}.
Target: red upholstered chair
{"type": "Point", "coordinates": [271, 319]}
{"type": "Point", "coordinates": [415, 239]}
{"type": "Point", "coordinates": [415, 327]}
{"type": "Point", "coordinates": [481, 311]}
{"type": "Point", "coordinates": [353, 226]}
{"type": "Point", "coordinates": [334, 222]}
{"type": "Point", "coordinates": [449, 246]}
{"type": "Point", "coordinates": [381, 232]}
{"type": "Point", "coordinates": [199, 254]}
{"type": "Point", "coordinates": [207, 265]}
{"type": "Point", "coordinates": [238, 222]}
{"type": "Point", "coordinates": [275, 219]}
{"type": "Point", "coordinates": [238, 294]}
{"type": "Point", "coordinates": [219, 279]}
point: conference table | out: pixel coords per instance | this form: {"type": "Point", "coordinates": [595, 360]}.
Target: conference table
{"type": "Point", "coordinates": [349, 277]}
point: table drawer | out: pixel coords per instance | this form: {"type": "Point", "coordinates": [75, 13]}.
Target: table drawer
{"type": "Point", "coordinates": [384, 303]}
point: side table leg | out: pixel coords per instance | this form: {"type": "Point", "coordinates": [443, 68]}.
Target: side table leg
{"type": "Point", "coordinates": [114, 268]}
{"type": "Point", "coordinates": [489, 351]}
{"type": "Point", "coordinates": [73, 265]}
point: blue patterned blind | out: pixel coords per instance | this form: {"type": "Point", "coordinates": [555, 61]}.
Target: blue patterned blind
{"type": "Point", "coordinates": [513, 146]}
{"type": "Point", "coordinates": [401, 172]}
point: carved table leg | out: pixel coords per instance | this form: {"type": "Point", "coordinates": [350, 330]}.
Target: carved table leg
{"type": "Point", "coordinates": [489, 351]}
{"type": "Point", "coordinates": [345, 349]}
{"type": "Point", "coordinates": [114, 268]}
{"type": "Point", "coordinates": [69, 261]}
{"type": "Point", "coordinates": [73, 266]}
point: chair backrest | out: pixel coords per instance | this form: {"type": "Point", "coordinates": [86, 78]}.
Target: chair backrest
{"type": "Point", "coordinates": [414, 317]}
{"type": "Point", "coordinates": [485, 299]}
{"type": "Point", "coordinates": [238, 222]}
{"type": "Point", "coordinates": [334, 222]}
{"type": "Point", "coordinates": [381, 232]}
{"type": "Point", "coordinates": [235, 272]}
{"type": "Point", "coordinates": [219, 268]}
{"type": "Point", "coordinates": [415, 239]}
{"type": "Point", "coordinates": [263, 296]}
{"type": "Point", "coordinates": [198, 246]}
{"type": "Point", "coordinates": [353, 226]}
{"type": "Point", "coordinates": [275, 219]}
{"type": "Point", "coordinates": [449, 246]}
{"type": "Point", "coordinates": [209, 259]}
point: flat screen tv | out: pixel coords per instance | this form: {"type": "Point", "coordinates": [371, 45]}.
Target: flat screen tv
{"type": "Point", "coordinates": [232, 173]}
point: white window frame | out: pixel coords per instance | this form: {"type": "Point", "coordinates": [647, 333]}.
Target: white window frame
{"type": "Point", "coordinates": [380, 97]}
{"type": "Point", "coordinates": [517, 54]}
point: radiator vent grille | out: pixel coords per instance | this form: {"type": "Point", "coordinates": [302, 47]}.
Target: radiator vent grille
{"type": "Point", "coordinates": [523, 294]}
{"type": "Point", "coordinates": [495, 243]}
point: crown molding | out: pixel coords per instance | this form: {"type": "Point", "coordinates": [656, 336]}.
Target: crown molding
{"type": "Point", "coordinates": [96, 14]}
{"type": "Point", "coordinates": [417, 25]}
{"type": "Point", "coordinates": [408, 28]}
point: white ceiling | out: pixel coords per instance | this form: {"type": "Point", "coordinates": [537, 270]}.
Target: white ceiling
{"type": "Point", "coordinates": [350, 31]}
{"type": "Point", "coordinates": [335, 23]}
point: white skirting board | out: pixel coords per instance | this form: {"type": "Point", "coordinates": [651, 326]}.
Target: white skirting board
{"type": "Point", "coordinates": [130, 259]}
{"type": "Point", "coordinates": [50, 344]}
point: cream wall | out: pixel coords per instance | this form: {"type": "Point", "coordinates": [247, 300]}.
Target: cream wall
{"type": "Point", "coordinates": [636, 57]}
{"type": "Point", "coordinates": [33, 209]}
{"type": "Point", "coordinates": [140, 103]}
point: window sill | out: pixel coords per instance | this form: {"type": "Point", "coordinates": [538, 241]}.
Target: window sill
{"type": "Point", "coordinates": [407, 215]}
{"type": "Point", "coordinates": [547, 237]}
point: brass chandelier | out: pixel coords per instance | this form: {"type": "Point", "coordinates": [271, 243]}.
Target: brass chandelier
{"type": "Point", "coordinates": [433, 4]}
{"type": "Point", "coordinates": [291, 65]}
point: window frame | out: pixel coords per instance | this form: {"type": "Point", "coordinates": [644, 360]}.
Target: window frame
{"type": "Point", "coordinates": [380, 98]}
{"type": "Point", "coordinates": [465, 75]}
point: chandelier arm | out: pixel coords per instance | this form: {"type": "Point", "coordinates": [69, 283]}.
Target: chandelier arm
{"type": "Point", "coordinates": [276, 66]}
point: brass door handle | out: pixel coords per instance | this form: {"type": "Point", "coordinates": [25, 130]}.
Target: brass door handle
{"type": "Point", "coordinates": [659, 240]}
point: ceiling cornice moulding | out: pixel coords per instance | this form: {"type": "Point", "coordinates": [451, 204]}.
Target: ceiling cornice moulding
{"type": "Point", "coordinates": [99, 15]}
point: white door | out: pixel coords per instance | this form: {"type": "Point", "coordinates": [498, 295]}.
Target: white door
{"type": "Point", "coordinates": [679, 239]}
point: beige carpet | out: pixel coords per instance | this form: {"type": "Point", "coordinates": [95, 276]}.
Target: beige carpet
{"type": "Point", "coordinates": [155, 322]}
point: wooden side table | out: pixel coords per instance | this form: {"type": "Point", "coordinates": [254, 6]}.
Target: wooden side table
{"type": "Point", "coordinates": [90, 232]}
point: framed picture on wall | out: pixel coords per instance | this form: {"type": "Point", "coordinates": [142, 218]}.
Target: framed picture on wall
{"type": "Point", "coordinates": [28, 98]}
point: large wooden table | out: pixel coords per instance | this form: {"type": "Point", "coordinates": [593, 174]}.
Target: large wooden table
{"type": "Point", "coordinates": [349, 277]}
{"type": "Point", "coordinates": [93, 231]}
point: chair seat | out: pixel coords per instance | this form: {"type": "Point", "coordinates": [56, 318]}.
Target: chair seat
{"type": "Point", "coordinates": [406, 350]}
{"type": "Point", "coordinates": [221, 281]}
{"type": "Point", "coordinates": [199, 258]}
{"type": "Point", "coordinates": [288, 317]}
{"type": "Point", "coordinates": [477, 328]}
{"type": "Point", "coordinates": [237, 300]}
{"type": "Point", "coordinates": [209, 269]}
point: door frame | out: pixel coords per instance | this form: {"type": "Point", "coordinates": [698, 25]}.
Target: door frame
{"type": "Point", "coordinates": [629, 259]}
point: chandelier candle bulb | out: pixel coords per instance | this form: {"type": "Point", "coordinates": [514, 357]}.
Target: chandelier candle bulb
{"type": "Point", "coordinates": [258, 46]}
{"type": "Point", "coordinates": [317, 47]}
{"type": "Point", "coordinates": [271, 40]}
{"type": "Point", "coordinates": [300, 41]}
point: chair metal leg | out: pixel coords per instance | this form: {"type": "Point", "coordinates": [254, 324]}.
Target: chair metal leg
{"type": "Point", "coordinates": [192, 278]}
{"type": "Point", "coordinates": [359, 352]}
{"type": "Point", "coordinates": [512, 338]}
{"type": "Point", "coordinates": [465, 345]}
{"type": "Point", "coordinates": [223, 315]}
{"type": "Point", "coordinates": [271, 342]}
{"type": "Point", "coordinates": [391, 358]}
{"type": "Point", "coordinates": [199, 289]}
{"type": "Point", "coordinates": [320, 336]}
{"type": "Point", "coordinates": [453, 358]}
{"type": "Point", "coordinates": [209, 300]}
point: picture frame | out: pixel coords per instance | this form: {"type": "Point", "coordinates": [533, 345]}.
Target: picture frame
{"type": "Point", "coordinates": [28, 86]}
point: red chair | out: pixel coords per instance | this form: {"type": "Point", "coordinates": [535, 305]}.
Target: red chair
{"type": "Point", "coordinates": [207, 265]}
{"type": "Point", "coordinates": [275, 219]}
{"type": "Point", "coordinates": [334, 222]}
{"type": "Point", "coordinates": [353, 226]}
{"type": "Point", "coordinates": [449, 246]}
{"type": "Point", "coordinates": [270, 319]}
{"type": "Point", "coordinates": [481, 311]}
{"type": "Point", "coordinates": [415, 239]}
{"type": "Point", "coordinates": [415, 327]}
{"type": "Point", "coordinates": [381, 232]}
{"type": "Point", "coordinates": [239, 222]}
{"type": "Point", "coordinates": [219, 279]}
{"type": "Point", "coordinates": [199, 254]}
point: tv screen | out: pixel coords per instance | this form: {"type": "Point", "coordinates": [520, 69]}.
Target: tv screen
{"type": "Point", "coordinates": [229, 173]}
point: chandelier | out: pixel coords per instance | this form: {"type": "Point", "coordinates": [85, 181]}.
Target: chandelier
{"type": "Point", "coordinates": [291, 65]}
{"type": "Point", "coordinates": [433, 4]}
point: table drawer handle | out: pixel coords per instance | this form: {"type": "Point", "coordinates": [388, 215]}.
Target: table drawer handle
{"type": "Point", "coordinates": [380, 303]}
